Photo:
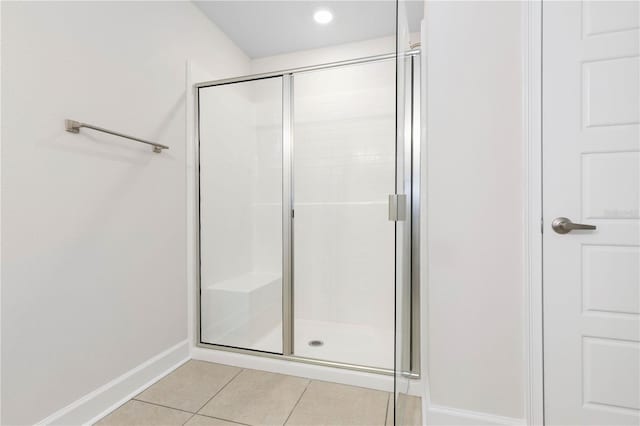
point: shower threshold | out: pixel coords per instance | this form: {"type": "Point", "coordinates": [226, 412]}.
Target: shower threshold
{"type": "Point", "coordinates": [348, 346]}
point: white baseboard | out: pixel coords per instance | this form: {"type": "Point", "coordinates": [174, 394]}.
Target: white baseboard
{"type": "Point", "coordinates": [300, 369]}
{"type": "Point", "coordinates": [447, 416]}
{"type": "Point", "coordinates": [100, 402]}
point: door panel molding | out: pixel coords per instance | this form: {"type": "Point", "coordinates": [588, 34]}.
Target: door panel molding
{"type": "Point", "coordinates": [532, 165]}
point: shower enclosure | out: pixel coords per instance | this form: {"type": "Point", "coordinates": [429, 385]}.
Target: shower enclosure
{"type": "Point", "coordinates": [306, 207]}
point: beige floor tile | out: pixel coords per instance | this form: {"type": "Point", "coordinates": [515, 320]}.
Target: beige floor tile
{"type": "Point", "coordinates": [257, 398]}
{"type": "Point", "coordinates": [410, 408]}
{"type": "Point", "coordinates": [389, 421]}
{"type": "Point", "coordinates": [190, 386]}
{"type": "Point", "coordinates": [208, 421]}
{"type": "Point", "coordinates": [136, 413]}
{"type": "Point", "coordinates": [332, 404]}
{"type": "Point", "coordinates": [412, 411]}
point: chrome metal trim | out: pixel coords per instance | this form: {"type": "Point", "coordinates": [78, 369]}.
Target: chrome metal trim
{"type": "Point", "coordinates": [410, 375]}
{"type": "Point", "coordinates": [403, 233]}
{"type": "Point", "coordinates": [260, 76]}
{"type": "Point", "coordinates": [402, 207]}
{"type": "Point", "coordinates": [415, 216]}
{"type": "Point", "coordinates": [73, 126]}
{"type": "Point", "coordinates": [294, 358]}
{"type": "Point", "coordinates": [287, 208]}
{"type": "Point", "coordinates": [198, 259]}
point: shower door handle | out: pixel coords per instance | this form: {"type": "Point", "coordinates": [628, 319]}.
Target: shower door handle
{"type": "Point", "coordinates": [397, 207]}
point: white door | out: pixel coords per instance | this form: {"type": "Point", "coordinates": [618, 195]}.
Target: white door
{"type": "Point", "coordinates": [591, 169]}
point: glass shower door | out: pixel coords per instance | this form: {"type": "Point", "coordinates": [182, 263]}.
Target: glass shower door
{"type": "Point", "coordinates": [407, 284]}
{"type": "Point", "coordinates": [344, 170]}
{"type": "Point", "coordinates": [240, 211]}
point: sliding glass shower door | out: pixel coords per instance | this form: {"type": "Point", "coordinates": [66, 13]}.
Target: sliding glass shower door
{"type": "Point", "coordinates": [240, 212]}
{"type": "Point", "coordinates": [408, 138]}
{"type": "Point", "coordinates": [305, 215]}
{"type": "Point", "coordinates": [344, 164]}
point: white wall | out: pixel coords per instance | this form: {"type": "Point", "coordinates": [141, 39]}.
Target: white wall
{"type": "Point", "coordinates": [474, 323]}
{"type": "Point", "coordinates": [93, 226]}
{"type": "Point", "coordinates": [324, 55]}
{"type": "Point", "coordinates": [93, 260]}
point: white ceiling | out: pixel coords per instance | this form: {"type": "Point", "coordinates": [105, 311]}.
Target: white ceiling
{"type": "Point", "coordinates": [270, 27]}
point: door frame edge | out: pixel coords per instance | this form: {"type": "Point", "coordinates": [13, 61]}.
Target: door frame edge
{"type": "Point", "coordinates": [532, 211]}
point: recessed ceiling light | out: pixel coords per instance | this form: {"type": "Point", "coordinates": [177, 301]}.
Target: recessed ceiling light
{"type": "Point", "coordinates": [323, 16]}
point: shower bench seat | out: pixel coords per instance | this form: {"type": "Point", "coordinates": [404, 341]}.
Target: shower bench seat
{"type": "Point", "coordinates": [243, 309]}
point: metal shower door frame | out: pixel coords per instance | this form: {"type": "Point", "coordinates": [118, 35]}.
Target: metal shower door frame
{"type": "Point", "coordinates": [412, 191]}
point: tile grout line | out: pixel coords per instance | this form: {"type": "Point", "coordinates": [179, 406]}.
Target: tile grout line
{"type": "Point", "coordinates": [192, 416]}
{"type": "Point", "coordinates": [160, 405]}
{"type": "Point", "coordinates": [241, 370]}
{"type": "Point", "coordinates": [223, 419]}
{"type": "Point", "coordinates": [175, 370]}
{"type": "Point", "coordinates": [297, 402]}
{"type": "Point", "coordinates": [386, 411]}
{"type": "Point", "coordinates": [113, 411]}
{"type": "Point", "coordinates": [140, 393]}
{"type": "Point", "coordinates": [214, 395]}
{"type": "Point", "coordinates": [221, 389]}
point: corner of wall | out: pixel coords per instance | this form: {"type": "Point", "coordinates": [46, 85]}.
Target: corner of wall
{"type": "Point", "coordinates": [97, 404]}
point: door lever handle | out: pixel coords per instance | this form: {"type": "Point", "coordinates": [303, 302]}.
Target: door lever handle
{"type": "Point", "coordinates": [563, 225]}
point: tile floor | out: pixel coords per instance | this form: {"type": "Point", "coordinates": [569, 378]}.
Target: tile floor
{"type": "Point", "coordinates": [206, 394]}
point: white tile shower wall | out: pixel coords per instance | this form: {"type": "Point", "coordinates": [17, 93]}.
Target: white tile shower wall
{"type": "Point", "coordinates": [241, 214]}
{"type": "Point", "coordinates": [93, 226]}
{"type": "Point", "coordinates": [344, 170]}
{"type": "Point", "coordinates": [227, 141]}
{"type": "Point", "coordinates": [267, 209]}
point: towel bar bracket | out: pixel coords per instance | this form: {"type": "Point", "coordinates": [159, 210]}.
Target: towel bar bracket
{"type": "Point", "coordinates": [72, 126]}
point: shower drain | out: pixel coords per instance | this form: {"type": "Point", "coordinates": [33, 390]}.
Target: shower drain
{"type": "Point", "coordinates": [316, 343]}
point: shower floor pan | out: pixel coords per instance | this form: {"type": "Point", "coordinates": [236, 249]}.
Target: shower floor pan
{"type": "Point", "coordinates": [345, 343]}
